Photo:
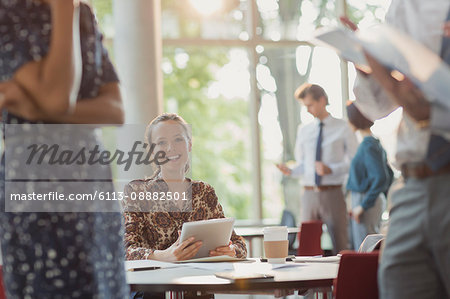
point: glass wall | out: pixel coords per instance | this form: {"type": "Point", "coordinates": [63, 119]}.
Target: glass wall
{"type": "Point", "coordinates": [209, 87]}
{"type": "Point", "coordinates": [204, 19]}
{"type": "Point", "coordinates": [230, 69]}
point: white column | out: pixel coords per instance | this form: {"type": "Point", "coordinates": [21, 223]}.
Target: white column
{"type": "Point", "coordinates": [255, 102]}
{"type": "Point", "coordinates": [341, 10]}
{"type": "Point", "coordinates": [138, 54]}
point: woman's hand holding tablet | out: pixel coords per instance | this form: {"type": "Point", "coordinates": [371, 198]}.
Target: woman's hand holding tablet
{"type": "Point", "coordinates": [215, 234]}
{"type": "Point", "coordinates": [224, 250]}
{"type": "Point", "coordinates": [179, 251]}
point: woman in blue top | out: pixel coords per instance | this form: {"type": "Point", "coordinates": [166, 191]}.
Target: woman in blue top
{"type": "Point", "coordinates": [369, 179]}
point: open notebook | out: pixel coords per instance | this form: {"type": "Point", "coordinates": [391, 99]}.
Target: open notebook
{"type": "Point", "coordinates": [395, 50]}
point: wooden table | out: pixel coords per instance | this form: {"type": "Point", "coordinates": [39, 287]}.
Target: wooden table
{"type": "Point", "coordinates": [307, 276]}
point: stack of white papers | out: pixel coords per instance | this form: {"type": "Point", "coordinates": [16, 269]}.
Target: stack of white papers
{"type": "Point", "coordinates": [213, 259]}
{"type": "Point", "coordinates": [317, 259]}
{"type": "Point", "coordinates": [395, 50]}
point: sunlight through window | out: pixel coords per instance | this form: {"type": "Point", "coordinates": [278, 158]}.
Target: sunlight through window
{"type": "Point", "coordinates": [207, 7]}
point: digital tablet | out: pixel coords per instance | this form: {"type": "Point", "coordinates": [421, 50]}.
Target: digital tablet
{"type": "Point", "coordinates": [213, 233]}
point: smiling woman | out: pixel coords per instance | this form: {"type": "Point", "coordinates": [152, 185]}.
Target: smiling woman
{"type": "Point", "coordinates": [171, 135]}
{"type": "Point", "coordinates": [152, 226]}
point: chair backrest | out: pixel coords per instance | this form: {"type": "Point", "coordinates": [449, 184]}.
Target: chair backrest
{"type": "Point", "coordinates": [309, 239]}
{"type": "Point", "coordinates": [2, 289]}
{"type": "Point", "coordinates": [357, 276]}
{"type": "Point", "coordinates": [371, 242]}
{"type": "Point", "coordinates": [288, 219]}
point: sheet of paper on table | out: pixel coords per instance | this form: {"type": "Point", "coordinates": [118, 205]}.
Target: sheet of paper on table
{"type": "Point", "coordinates": [213, 263]}
{"type": "Point", "coordinates": [317, 259]}
{"type": "Point", "coordinates": [214, 259]}
{"type": "Point", "coordinates": [233, 275]}
{"type": "Point", "coordinates": [216, 266]}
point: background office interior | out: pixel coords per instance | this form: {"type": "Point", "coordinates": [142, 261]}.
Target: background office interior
{"type": "Point", "coordinates": [230, 67]}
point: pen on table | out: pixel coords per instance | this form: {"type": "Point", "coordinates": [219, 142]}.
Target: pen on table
{"type": "Point", "coordinates": [143, 269]}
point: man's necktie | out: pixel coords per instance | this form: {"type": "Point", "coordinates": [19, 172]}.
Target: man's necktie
{"type": "Point", "coordinates": [438, 154]}
{"type": "Point", "coordinates": [318, 178]}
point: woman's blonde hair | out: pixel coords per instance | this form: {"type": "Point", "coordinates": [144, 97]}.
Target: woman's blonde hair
{"type": "Point", "coordinates": [162, 118]}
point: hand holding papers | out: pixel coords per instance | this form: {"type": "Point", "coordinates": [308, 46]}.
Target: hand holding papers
{"type": "Point", "coordinates": [405, 68]}
{"type": "Point", "coordinates": [395, 51]}
{"type": "Point", "coordinates": [345, 43]}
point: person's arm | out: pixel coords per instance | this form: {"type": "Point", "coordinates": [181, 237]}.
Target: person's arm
{"type": "Point", "coordinates": [106, 108]}
{"type": "Point", "coordinates": [414, 103]}
{"type": "Point", "coordinates": [371, 98]}
{"type": "Point", "coordinates": [350, 147]}
{"type": "Point", "coordinates": [50, 81]}
{"type": "Point", "coordinates": [136, 247]}
{"type": "Point", "coordinates": [377, 175]}
{"type": "Point", "coordinates": [137, 226]}
{"type": "Point", "coordinates": [378, 94]}
{"type": "Point", "coordinates": [299, 168]}
{"type": "Point", "coordinates": [237, 245]}
{"type": "Point", "coordinates": [135, 221]}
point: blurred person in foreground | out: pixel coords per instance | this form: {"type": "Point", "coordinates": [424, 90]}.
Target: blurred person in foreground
{"type": "Point", "coordinates": [416, 258]}
{"type": "Point", "coordinates": [57, 254]}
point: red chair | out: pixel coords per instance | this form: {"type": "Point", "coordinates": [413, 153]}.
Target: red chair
{"type": "Point", "coordinates": [2, 289]}
{"type": "Point", "coordinates": [309, 239]}
{"type": "Point", "coordinates": [357, 276]}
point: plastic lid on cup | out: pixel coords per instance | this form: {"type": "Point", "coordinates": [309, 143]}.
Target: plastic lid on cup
{"type": "Point", "coordinates": [275, 233]}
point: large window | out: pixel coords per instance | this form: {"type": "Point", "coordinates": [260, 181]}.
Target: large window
{"type": "Point", "coordinates": [209, 87]}
{"type": "Point", "coordinates": [230, 69]}
{"type": "Point", "coordinates": [251, 83]}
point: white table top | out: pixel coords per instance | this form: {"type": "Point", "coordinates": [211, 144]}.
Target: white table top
{"type": "Point", "coordinates": [178, 277]}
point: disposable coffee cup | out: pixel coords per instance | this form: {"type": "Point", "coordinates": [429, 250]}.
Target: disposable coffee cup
{"type": "Point", "coordinates": [276, 244]}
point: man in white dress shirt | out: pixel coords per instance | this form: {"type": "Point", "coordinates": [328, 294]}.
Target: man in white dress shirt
{"type": "Point", "coordinates": [416, 259]}
{"type": "Point", "coordinates": [323, 151]}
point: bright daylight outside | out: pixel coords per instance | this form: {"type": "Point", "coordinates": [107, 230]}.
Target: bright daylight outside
{"type": "Point", "coordinates": [230, 69]}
